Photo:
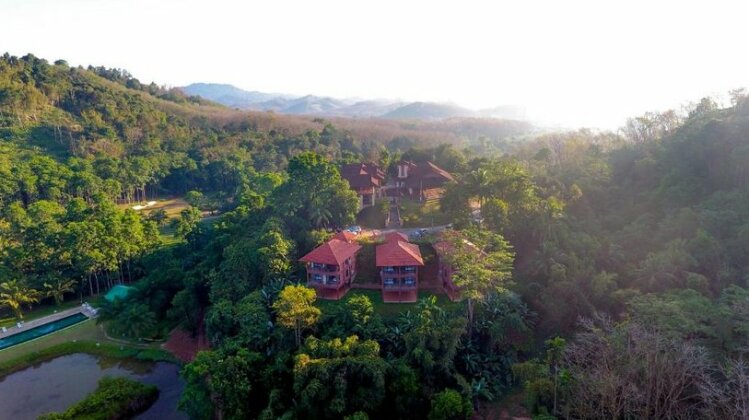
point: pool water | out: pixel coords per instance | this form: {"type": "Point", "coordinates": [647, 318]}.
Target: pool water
{"type": "Point", "coordinates": [41, 330]}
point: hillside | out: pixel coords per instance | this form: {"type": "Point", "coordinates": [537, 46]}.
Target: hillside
{"type": "Point", "coordinates": [427, 111]}
{"type": "Point", "coordinates": [575, 258]}
{"type": "Point", "coordinates": [179, 142]}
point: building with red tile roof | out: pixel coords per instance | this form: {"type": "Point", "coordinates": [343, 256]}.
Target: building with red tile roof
{"type": "Point", "coordinates": [446, 270]}
{"type": "Point", "coordinates": [367, 179]}
{"type": "Point", "coordinates": [395, 236]}
{"type": "Point", "coordinates": [423, 180]}
{"type": "Point", "coordinates": [331, 268]}
{"type": "Point", "coordinates": [399, 262]}
{"type": "Point", "coordinates": [345, 236]}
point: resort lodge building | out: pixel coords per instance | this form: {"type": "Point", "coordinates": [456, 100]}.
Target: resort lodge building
{"type": "Point", "coordinates": [331, 267]}
{"type": "Point", "coordinates": [445, 270]}
{"type": "Point", "coordinates": [423, 181]}
{"type": "Point", "coordinates": [398, 262]}
{"type": "Point", "coordinates": [367, 179]}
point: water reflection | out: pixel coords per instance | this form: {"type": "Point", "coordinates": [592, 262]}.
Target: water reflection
{"type": "Point", "coordinates": [61, 382]}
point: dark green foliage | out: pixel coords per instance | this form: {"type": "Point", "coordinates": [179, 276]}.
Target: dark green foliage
{"type": "Point", "coordinates": [339, 377]}
{"type": "Point", "coordinates": [114, 398]}
{"type": "Point", "coordinates": [450, 405]}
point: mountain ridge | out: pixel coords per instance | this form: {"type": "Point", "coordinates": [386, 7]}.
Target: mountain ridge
{"type": "Point", "coordinates": [326, 106]}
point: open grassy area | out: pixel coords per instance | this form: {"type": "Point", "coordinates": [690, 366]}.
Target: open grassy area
{"type": "Point", "coordinates": [417, 214]}
{"type": "Point", "coordinates": [39, 311]}
{"type": "Point", "coordinates": [373, 217]}
{"type": "Point", "coordinates": [86, 337]}
{"type": "Point", "coordinates": [172, 206]}
{"type": "Point", "coordinates": [388, 310]}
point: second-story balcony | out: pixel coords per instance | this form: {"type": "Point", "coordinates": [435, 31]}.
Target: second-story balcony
{"type": "Point", "coordinates": [399, 283]}
{"type": "Point", "coordinates": [322, 268]}
{"type": "Point", "coordinates": [398, 271]}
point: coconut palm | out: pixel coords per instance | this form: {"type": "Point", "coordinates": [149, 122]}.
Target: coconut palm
{"type": "Point", "coordinates": [319, 213]}
{"type": "Point", "coordinates": [478, 182]}
{"type": "Point", "coordinates": [14, 294]}
{"type": "Point", "coordinates": [58, 288]}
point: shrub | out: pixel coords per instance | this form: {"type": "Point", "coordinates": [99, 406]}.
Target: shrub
{"type": "Point", "coordinates": [450, 405]}
{"type": "Point", "coordinates": [114, 398]}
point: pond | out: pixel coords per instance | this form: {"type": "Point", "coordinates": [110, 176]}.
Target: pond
{"type": "Point", "coordinates": [59, 383]}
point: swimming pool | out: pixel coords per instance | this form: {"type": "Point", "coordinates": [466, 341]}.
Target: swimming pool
{"type": "Point", "coordinates": [41, 330]}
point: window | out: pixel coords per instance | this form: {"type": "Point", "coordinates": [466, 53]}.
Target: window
{"type": "Point", "coordinates": [389, 269]}
{"type": "Point", "coordinates": [409, 281]}
{"type": "Point", "coordinates": [389, 282]}
{"type": "Point", "coordinates": [317, 278]}
{"type": "Point", "coordinates": [409, 269]}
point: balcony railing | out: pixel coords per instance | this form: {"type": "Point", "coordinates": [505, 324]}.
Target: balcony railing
{"type": "Point", "coordinates": [332, 283]}
{"type": "Point", "coordinates": [394, 283]}
{"type": "Point", "coordinates": [322, 268]}
{"type": "Point", "coordinates": [398, 271]}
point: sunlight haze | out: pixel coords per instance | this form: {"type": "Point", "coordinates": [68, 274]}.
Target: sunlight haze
{"type": "Point", "coordinates": [566, 63]}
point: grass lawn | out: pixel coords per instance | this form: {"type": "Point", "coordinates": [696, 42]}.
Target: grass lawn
{"type": "Point", "coordinates": [172, 206]}
{"type": "Point", "coordinates": [388, 310]}
{"type": "Point", "coordinates": [417, 214]}
{"type": "Point", "coordinates": [372, 217]}
{"type": "Point", "coordinates": [39, 311]}
{"type": "Point", "coordinates": [86, 337]}
{"type": "Point", "coordinates": [366, 271]}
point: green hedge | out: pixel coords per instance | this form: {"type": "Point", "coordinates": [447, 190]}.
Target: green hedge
{"type": "Point", "coordinates": [114, 398]}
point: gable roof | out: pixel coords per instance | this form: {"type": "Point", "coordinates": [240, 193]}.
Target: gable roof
{"type": "Point", "coordinates": [444, 247]}
{"type": "Point", "coordinates": [398, 253]}
{"type": "Point", "coordinates": [422, 171]}
{"type": "Point", "coordinates": [333, 252]}
{"type": "Point", "coordinates": [362, 175]}
{"type": "Point", "coordinates": [396, 236]}
{"type": "Point", "coordinates": [345, 236]}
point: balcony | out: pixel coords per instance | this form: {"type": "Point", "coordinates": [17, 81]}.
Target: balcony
{"type": "Point", "coordinates": [399, 283]}
{"type": "Point", "coordinates": [318, 280]}
{"type": "Point", "coordinates": [322, 268]}
{"type": "Point", "coordinates": [399, 271]}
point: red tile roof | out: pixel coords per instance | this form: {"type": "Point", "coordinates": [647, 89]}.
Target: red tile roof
{"type": "Point", "coordinates": [345, 236]}
{"type": "Point", "coordinates": [362, 175]}
{"type": "Point", "coordinates": [398, 253]}
{"type": "Point", "coordinates": [396, 236]}
{"type": "Point", "coordinates": [333, 252]}
{"type": "Point", "coordinates": [442, 248]}
{"type": "Point", "coordinates": [426, 174]}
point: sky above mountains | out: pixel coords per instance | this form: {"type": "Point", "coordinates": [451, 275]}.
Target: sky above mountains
{"type": "Point", "coordinates": [572, 63]}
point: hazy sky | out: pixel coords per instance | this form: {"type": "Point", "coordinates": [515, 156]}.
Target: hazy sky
{"type": "Point", "coordinates": [590, 63]}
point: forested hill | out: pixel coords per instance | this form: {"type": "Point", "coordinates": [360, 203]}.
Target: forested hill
{"type": "Point", "coordinates": [611, 282]}
{"type": "Point", "coordinates": [145, 136]}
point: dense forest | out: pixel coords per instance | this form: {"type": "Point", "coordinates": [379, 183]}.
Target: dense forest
{"type": "Point", "coordinates": [611, 283]}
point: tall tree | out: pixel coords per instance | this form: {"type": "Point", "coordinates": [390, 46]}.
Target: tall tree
{"type": "Point", "coordinates": [295, 309]}
{"type": "Point", "coordinates": [15, 294]}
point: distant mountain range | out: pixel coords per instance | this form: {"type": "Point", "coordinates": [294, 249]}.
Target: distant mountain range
{"type": "Point", "coordinates": [235, 97]}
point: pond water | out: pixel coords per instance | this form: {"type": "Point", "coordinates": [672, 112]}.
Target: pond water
{"type": "Point", "coordinates": [59, 383]}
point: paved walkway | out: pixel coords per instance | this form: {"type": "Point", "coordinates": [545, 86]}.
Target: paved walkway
{"type": "Point", "coordinates": [44, 320]}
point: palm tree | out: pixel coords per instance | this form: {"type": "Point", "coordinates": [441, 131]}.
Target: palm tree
{"type": "Point", "coordinates": [58, 289]}
{"type": "Point", "coordinates": [478, 183]}
{"type": "Point", "coordinates": [319, 214]}
{"type": "Point", "coordinates": [14, 294]}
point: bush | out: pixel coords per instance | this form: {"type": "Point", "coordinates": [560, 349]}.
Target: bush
{"type": "Point", "coordinates": [114, 398]}
{"type": "Point", "coordinates": [450, 405]}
